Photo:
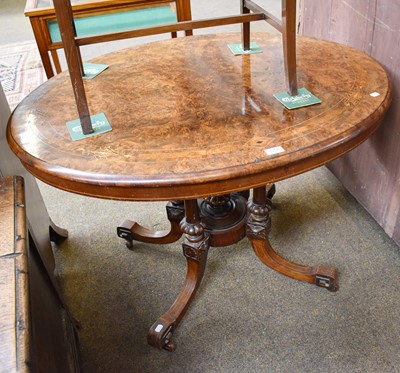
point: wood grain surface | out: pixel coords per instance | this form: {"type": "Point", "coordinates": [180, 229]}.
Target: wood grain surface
{"type": "Point", "coordinates": [14, 301]}
{"type": "Point", "coordinates": [190, 119]}
{"type": "Point", "coordinates": [372, 27]}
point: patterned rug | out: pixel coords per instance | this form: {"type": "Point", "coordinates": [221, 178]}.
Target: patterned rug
{"type": "Point", "coordinates": [21, 70]}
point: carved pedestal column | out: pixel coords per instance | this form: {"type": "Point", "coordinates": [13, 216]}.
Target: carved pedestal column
{"type": "Point", "coordinates": [224, 218]}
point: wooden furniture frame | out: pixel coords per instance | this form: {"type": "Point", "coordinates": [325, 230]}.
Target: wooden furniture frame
{"type": "Point", "coordinates": [38, 335]}
{"type": "Point", "coordinates": [39, 18]}
{"type": "Point", "coordinates": [202, 131]}
{"type": "Point", "coordinates": [72, 43]}
{"type": "Point", "coordinates": [15, 320]}
{"type": "Point", "coordinates": [52, 342]}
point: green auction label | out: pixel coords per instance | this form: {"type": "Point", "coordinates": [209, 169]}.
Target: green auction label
{"type": "Point", "coordinates": [303, 98]}
{"type": "Point", "coordinates": [99, 122]}
{"type": "Point", "coordinates": [237, 49]}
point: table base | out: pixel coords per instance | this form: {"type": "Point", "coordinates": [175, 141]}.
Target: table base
{"type": "Point", "coordinates": [218, 221]}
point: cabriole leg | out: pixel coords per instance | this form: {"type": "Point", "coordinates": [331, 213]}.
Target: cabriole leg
{"type": "Point", "coordinates": [257, 230]}
{"type": "Point", "coordinates": [195, 249]}
{"type": "Point", "coordinates": [132, 231]}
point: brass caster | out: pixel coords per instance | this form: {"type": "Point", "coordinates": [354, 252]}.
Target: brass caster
{"type": "Point", "coordinates": [326, 277]}
{"type": "Point", "coordinates": [170, 346]}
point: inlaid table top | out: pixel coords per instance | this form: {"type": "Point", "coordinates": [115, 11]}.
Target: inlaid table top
{"type": "Point", "coordinates": [190, 119]}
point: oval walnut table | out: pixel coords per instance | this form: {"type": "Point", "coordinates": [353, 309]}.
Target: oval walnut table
{"type": "Point", "coordinates": [192, 122]}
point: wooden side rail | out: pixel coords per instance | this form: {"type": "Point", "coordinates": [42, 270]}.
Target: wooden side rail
{"type": "Point", "coordinates": [15, 320]}
{"type": "Point", "coordinates": [37, 334]}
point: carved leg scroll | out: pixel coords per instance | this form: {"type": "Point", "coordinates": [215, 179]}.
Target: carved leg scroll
{"type": "Point", "coordinates": [257, 230]}
{"type": "Point", "coordinates": [132, 231]}
{"type": "Point", "coordinates": [195, 249]}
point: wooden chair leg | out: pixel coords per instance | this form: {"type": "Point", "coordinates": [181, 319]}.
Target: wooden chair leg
{"type": "Point", "coordinates": [56, 60]}
{"type": "Point", "coordinates": [184, 13]}
{"type": "Point", "coordinates": [74, 61]}
{"type": "Point", "coordinates": [195, 249]}
{"type": "Point", "coordinates": [42, 46]}
{"type": "Point", "coordinates": [258, 228]}
{"type": "Point", "coordinates": [289, 44]}
{"type": "Point", "coordinates": [245, 28]}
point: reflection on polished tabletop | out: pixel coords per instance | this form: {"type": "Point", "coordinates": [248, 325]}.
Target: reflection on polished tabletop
{"type": "Point", "coordinates": [190, 120]}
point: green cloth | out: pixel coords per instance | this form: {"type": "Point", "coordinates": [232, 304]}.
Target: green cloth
{"type": "Point", "coordinates": [114, 22]}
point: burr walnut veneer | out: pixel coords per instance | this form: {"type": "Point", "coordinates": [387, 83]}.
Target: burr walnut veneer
{"type": "Point", "coordinates": [192, 122]}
